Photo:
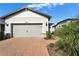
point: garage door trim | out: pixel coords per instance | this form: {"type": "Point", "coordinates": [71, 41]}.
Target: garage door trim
{"type": "Point", "coordinates": [22, 24]}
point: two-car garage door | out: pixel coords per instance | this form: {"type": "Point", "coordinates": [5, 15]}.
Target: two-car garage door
{"type": "Point", "coordinates": [26, 30]}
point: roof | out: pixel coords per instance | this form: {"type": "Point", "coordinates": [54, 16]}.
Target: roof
{"type": "Point", "coordinates": [51, 23]}
{"type": "Point", "coordinates": [22, 9]}
{"type": "Point", "coordinates": [74, 19]}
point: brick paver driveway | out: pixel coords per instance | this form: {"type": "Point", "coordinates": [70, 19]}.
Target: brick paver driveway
{"type": "Point", "coordinates": [24, 47]}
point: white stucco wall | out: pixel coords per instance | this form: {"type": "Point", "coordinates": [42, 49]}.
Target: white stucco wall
{"type": "Point", "coordinates": [27, 17]}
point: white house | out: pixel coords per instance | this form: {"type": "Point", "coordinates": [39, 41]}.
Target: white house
{"type": "Point", "coordinates": [26, 22]}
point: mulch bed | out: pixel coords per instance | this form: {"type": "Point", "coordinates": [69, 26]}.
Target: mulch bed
{"type": "Point", "coordinates": [55, 52]}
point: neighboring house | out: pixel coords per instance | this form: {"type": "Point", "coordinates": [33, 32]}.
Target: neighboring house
{"type": "Point", "coordinates": [26, 22]}
{"type": "Point", "coordinates": [51, 28]}
{"type": "Point", "coordinates": [64, 22]}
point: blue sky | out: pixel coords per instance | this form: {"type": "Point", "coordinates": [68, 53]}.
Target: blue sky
{"type": "Point", "coordinates": [58, 11]}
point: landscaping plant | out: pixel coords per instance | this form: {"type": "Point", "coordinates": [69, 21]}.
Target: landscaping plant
{"type": "Point", "coordinates": [1, 35]}
{"type": "Point", "coordinates": [69, 42]}
{"type": "Point", "coordinates": [48, 35]}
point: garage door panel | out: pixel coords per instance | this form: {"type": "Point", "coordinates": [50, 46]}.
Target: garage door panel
{"type": "Point", "coordinates": [27, 30]}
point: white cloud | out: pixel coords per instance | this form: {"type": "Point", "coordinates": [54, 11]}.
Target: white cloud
{"type": "Point", "coordinates": [40, 5]}
{"type": "Point", "coordinates": [58, 4]}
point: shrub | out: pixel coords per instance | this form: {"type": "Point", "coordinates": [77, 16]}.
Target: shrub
{"type": "Point", "coordinates": [48, 35]}
{"type": "Point", "coordinates": [70, 39]}
{"type": "Point", "coordinates": [52, 32]}
{"type": "Point", "coordinates": [1, 35]}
